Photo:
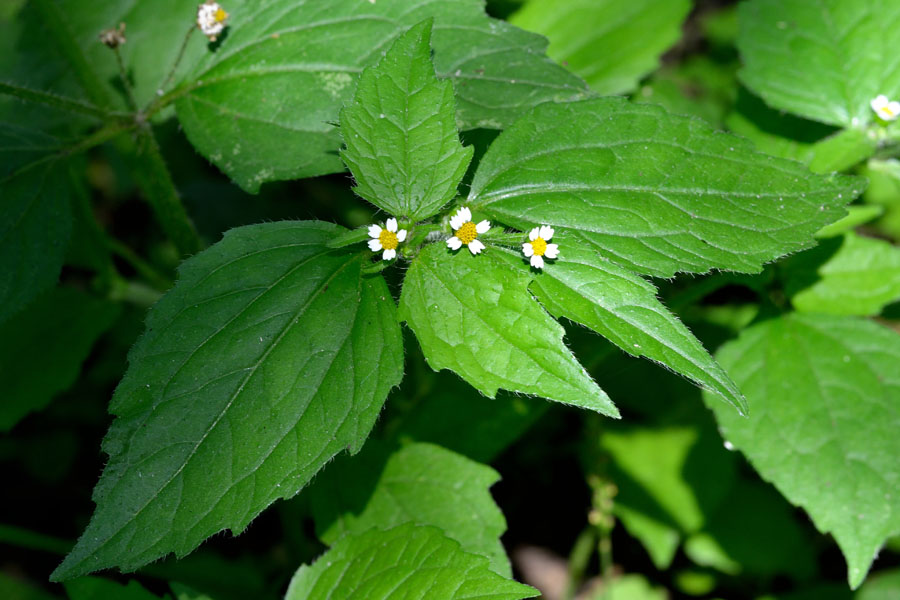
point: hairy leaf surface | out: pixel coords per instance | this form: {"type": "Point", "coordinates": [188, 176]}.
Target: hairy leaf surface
{"type": "Point", "coordinates": [410, 562]}
{"type": "Point", "coordinates": [475, 316]}
{"type": "Point", "coordinates": [654, 192]}
{"type": "Point", "coordinates": [606, 42]}
{"type": "Point", "coordinates": [54, 334]}
{"type": "Point", "coordinates": [34, 233]}
{"type": "Point", "coordinates": [400, 132]}
{"type": "Point", "coordinates": [419, 483]}
{"type": "Point", "coordinates": [262, 107]}
{"type": "Point", "coordinates": [823, 60]}
{"type": "Point", "coordinates": [271, 355]}
{"type": "Point", "coordinates": [622, 307]}
{"type": "Point", "coordinates": [825, 393]}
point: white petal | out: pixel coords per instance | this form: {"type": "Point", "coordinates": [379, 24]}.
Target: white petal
{"type": "Point", "coordinates": [552, 251]}
{"type": "Point", "coordinates": [456, 222]}
{"type": "Point", "coordinates": [475, 246]}
{"type": "Point", "coordinates": [465, 214]}
{"type": "Point", "coordinates": [389, 254]}
{"type": "Point", "coordinates": [537, 262]}
{"type": "Point", "coordinates": [534, 233]}
{"type": "Point", "coordinates": [454, 243]}
{"type": "Point", "coordinates": [392, 225]}
{"type": "Point", "coordinates": [527, 249]}
{"type": "Point", "coordinates": [879, 102]}
{"type": "Point", "coordinates": [375, 245]}
{"type": "Point", "coordinates": [894, 108]}
{"type": "Point", "coordinates": [546, 232]}
{"type": "Point", "coordinates": [483, 227]}
{"type": "Point", "coordinates": [401, 235]}
{"type": "Point", "coordinates": [374, 231]}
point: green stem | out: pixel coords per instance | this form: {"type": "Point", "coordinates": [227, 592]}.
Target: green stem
{"type": "Point", "coordinates": [579, 559]}
{"type": "Point", "coordinates": [134, 292]}
{"type": "Point", "coordinates": [152, 176]}
{"type": "Point", "coordinates": [126, 85]}
{"type": "Point", "coordinates": [54, 100]}
{"type": "Point", "coordinates": [25, 538]}
{"type": "Point", "coordinates": [141, 267]}
{"type": "Point", "coordinates": [174, 68]}
{"type": "Point", "coordinates": [55, 21]}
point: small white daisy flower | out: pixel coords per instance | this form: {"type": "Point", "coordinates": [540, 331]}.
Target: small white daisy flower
{"type": "Point", "coordinates": [538, 247]}
{"type": "Point", "coordinates": [885, 109]}
{"type": "Point", "coordinates": [466, 232]}
{"type": "Point", "coordinates": [386, 239]}
{"type": "Point", "coordinates": [211, 19]}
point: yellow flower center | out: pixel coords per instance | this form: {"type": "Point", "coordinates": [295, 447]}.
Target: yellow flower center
{"type": "Point", "coordinates": [467, 232]}
{"type": "Point", "coordinates": [388, 239]}
{"type": "Point", "coordinates": [220, 15]}
{"type": "Point", "coordinates": [539, 246]}
{"type": "Point", "coordinates": [888, 110]}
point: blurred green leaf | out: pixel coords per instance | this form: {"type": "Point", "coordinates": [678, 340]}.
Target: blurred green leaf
{"type": "Point", "coordinates": [95, 588]}
{"type": "Point", "coordinates": [42, 348]}
{"type": "Point", "coordinates": [850, 275]}
{"type": "Point", "coordinates": [225, 407]}
{"type": "Point", "coordinates": [12, 588]}
{"type": "Point", "coordinates": [884, 190]}
{"type": "Point", "coordinates": [34, 233]}
{"type": "Point", "coordinates": [842, 150]}
{"type": "Point", "coordinates": [400, 132]}
{"type": "Point", "coordinates": [856, 215]}
{"type": "Point", "coordinates": [475, 316]}
{"type": "Point", "coordinates": [654, 192]}
{"type": "Point", "coordinates": [631, 587]}
{"type": "Point", "coordinates": [606, 42]}
{"type": "Point", "coordinates": [884, 585]}
{"type": "Point", "coordinates": [419, 483]}
{"type": "Point", "coordinates": [303, 61]}
{"type": "Point", "coordinates": [824, 395]}
{"type": "Point", "coordinates": [821, 60]}
{"type": "Point", "coordinates": [183, 592]}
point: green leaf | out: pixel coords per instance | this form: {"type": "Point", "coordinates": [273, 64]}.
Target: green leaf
{"type": "Point", "coordinates": [303, 61]}
{"type": "Point", "coordinates": [400, 132]}
{"type": "Point", "coordinates": [825, 395]}
{"type": "Point", "coordinates": [606, 42]}
{"type": "Point", "coordinates": [622, 307]}
{"type": "Point", "coordinates": [822, 60]}
{"type": "Point", "coordinates": [842, 150]}
{"type": "Point", "coordinates": [34, 233]}
{"type": "Point", "coordinates": [420, 483]}
{"type": "Point", "coordinates": [475, 316]}
{"type": "Point", "coordinates": [857, 214]}
{"type": "Point", "coordinates": [94, 588]}
{"type": "Point", "coordinates": [851, 275]}
{"type": "Point", "coordinates": [654, 192]}
{"type": "Point", "coordinates": [54, 334]}
{"type": "Point", "coordinates": [410, 562]}
{"type": "Point", "coordinates": [631, 587]}
{"type": "Point", "coordinates": [271, 355]}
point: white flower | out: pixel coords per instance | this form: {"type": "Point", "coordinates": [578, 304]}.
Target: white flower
{"type": "Point", "coordinates": [466, 232]}
{"type": "Point", "coordinates": [211, 19]}
{"type": "Point", "coordinates": [538, 247]}
{"type": "Point", "coordinates": [885, 109]}
{"type": "Point", "coordinates": [386, 239]}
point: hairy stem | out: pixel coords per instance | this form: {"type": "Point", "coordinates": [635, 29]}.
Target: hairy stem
{"type": "Point", "coordinates": [171, 73]}
{"type": "Point", "coordinates": [126, 84]}
{"type": "Point", "coordinates": [54, 100]}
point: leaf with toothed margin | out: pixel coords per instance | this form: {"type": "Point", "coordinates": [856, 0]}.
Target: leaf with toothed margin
{"type": "Point", "coordinates": [272, 354]}
{"type": "Point", "coordinates": [825, 392]}
{"type": "Point", "coordinates": [410, 562]}
{"type": "Point", "coordinates": [654, 192]}
{"type": "Point", "coordinates": [400, 132]}
{"type": "Point", "coordinates": [264, 104]}
{"type": "Point", "coordinates": [475, 316]}
{"type": "Point", "coordinates": [623, 308]}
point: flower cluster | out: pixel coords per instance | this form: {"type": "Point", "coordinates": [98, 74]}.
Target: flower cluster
{"type": "Point", "coordinates": [465, 233]}
{"type": "Point", "coordinates": [886, 109]}
{"type": "Point", "coordinates": [211, 19]}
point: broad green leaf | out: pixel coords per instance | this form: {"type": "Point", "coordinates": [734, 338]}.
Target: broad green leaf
{"type": "Point", "coordinates": [410, 562]}
{"type": "Point", "coordinates": [95, 588]}
{"type": "Point", "coordinates": [851, 275]}
{"type": "Point", "coordinates": [420, 483]}
{"type": "Point", "coordinates": [400, 132]}
{"type": "Point", "coordinates": [53, 335]}
{"type": "Point", "coordinates": [884, 190]}
{"type": "Point", "coordinates": [823, 60]}
{"type": "Point", "coordinates": [622, 307]}
{"type": "Point", "coordinates": [34, 233]}
{"type": "Point", "coordinates": [825, 394]}
{"type": "Point", "coordinates": [262, 107]}
{"type": "Point", "coordinates": [842, 150]}
{"type": "Point", "coordinates": [669, 479]}
{"type": "Point", "coordinates": [881, 586]}
{"type": "Point", "coordinates": [475, 316]}
{"type": "Point", "coordinates": [271, 355]}
{"type": "Point", "coordinates": [654, 192]}
{"type": "Point", "coordinates": [606, 42]}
